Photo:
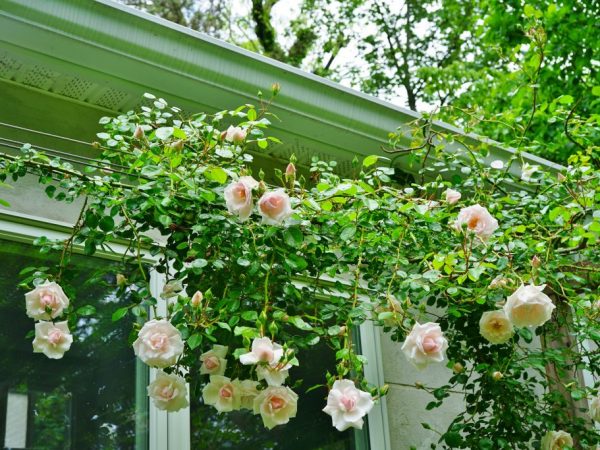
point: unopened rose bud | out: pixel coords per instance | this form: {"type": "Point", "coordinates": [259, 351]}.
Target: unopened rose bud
{"type": "Point", "coordinates": [498, 282]}
{"type": "Point", "coordinates": [536, 262]}
{"type": "Point", "coordinates": [497, 376]}
{"type": "Point", "coordinates": [458, 368]}
{"type": "Point", "coordinates": [177, 145]}
{"type": "Point", "coordinates": [419, 385]}
{"type": "Point", "coordinates": [197, 299]}
{"type": "Point", "coordinates": [290, 171]}
{"type": "Point", "coordinates": [223, 135]}
{"type": "Point", "coordinates": [275, 88]}
{"type": "Point", "coordinates": [138, 133]}
{"type": "Point", "coordinates": [343, 330]}
{"type": "Point", "coordinates": [561, 178]}
{"type": "Point", "coordinates": [262, 187]}
{"type": "Point", "coordinates": [121, 280]}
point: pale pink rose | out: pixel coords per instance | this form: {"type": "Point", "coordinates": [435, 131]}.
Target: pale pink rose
{"type": "Point", "coordinates": [452, 196]}
{"type": "Point", "coordinates": [159, 343]}
{"type": "Point", "coordinates": [528, 306]}
{"type": "Point", "coordinates": [595, 409]}
{"type": "Point", "coordinates": [47, 301]}
{"type": "Point", "coordinates": [213, 361]}
{"type": "Point", "coordinates": [347, 405]}
{"type": "Point", "coordinates": [196, 300]}
{"type": "Point", "coordinates": [52, 339]}
{"type": "Point", "coordinates": [425, 344]}
{"type": "Point", "coordinates": [263, 351]}
{"type": "Point", "coordinates": [274, 207]}
{"type": "Point", "coordinates": [556, 440]}
{"type": "Point", "coordinates": [290, 170]}
{"type": "Point", "coordinates": [168, 391]}
{"type": "Point", "coordinates": [273, 374]}
{"type": "Point", "coordinates": [222, 393]}
{"type": "Point", "coordinates": [477, 220]}
{"type": "Point", "coordinates": [528, 170]}
{"type": "Point", "coordinates": [495, 327]}
{"type": "Point", "coordinates": [238, 197]}
{"type": "Point", "coordinates": [235, 134]}
{"type": "Point", "coordinates": [249, 391]}
{"type": "Point", "coordinates": [276, 405]}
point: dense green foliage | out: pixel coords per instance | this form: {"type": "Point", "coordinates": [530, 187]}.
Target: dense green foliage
{"type": "Point", "coordinates": [355, 249]}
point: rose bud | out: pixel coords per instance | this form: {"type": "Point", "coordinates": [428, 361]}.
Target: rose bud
{"type": "Point", "coordinates": [458, 368]}
{"type": "Point", "coordinates": [138, 133]}
{"type": "Point", "coordinates": [536, 262]}
{"type": "Point", "coordinates": [497, 376]}
{"type": "Point", "coordinates": [197, 299]}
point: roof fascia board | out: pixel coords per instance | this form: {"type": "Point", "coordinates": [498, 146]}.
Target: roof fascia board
{"type": "Point", "coordinates": [332, 115]}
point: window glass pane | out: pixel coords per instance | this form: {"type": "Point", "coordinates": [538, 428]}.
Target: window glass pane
{"type": "Point", "coordinates": [87, 400]}
{"type": "Point", "coordinates": [311, 429]}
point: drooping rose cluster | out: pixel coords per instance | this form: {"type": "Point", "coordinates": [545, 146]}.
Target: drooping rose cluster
{"type": "Point", "coordinates": [276, 403]}
{"type": "Point", "coordinates": [45, 303]}
{"type": "Point", "coordinates": [159, 344]}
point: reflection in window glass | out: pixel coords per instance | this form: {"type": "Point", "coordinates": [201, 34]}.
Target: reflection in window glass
{"type": "Point", "coordinates": [85, 400]}
{"type": "Point", "coordinates": [311, 429]}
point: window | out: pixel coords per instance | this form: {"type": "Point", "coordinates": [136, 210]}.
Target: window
{"type": "Point", "coordinates": [87, 400]}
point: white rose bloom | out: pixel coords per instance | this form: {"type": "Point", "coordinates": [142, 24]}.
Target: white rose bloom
{"type": "Point", "coordinates": [425, 344]}
{"type": "Point", "coordinates": [556, 440]}
{"type": "Point", "coordinates": [222, 393]}
{"type": "Point", "coordinates": [249, 391]}
{"type": "Point", "coordinates": [452, 196]}
{"type": "Point", "coordinates": [477, 220]}
{"type": "Point", "coordinates": [276, 405]}
{"type": "Point", "coordinates": [595, 408]}
{"type": "Point", "coordinates": [238, 197]}
{"type": "Point", "coordinates": [168, 391]}
{"type": "Point", "coordinates": [171, 289]}
{"type": "Point", "coordinates": [497, 164]}
{"type": "Point", "coordinates": [47, 301]}
{"type": "Point", "coordinates": [213, 361]}
{"type": "Point", "coordinates": [263, 350]}
{"type": "Point", "coordinates": [52, 339]}
{"type": "Point", "coordinates": [274, 375]}
{"type": "Point", "coordinates": [159, 344]}
{"type": "Point", "coordinates": [495, 327]}
{"type": "Point", "coordinates": [528, 306]}
{"type": "Point", "coordinates": [235, 134]}
{"type": "Point", "coordinates": [274, 207]}
{"type": "Point", "coordinates": [347, 405]}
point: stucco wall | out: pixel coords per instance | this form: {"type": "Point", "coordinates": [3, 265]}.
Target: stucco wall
{"type": "Point", "coordinates": [406, 404]}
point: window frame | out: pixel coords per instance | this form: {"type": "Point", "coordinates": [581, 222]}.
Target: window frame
{"type": "Point", "coordinates": [171, 431]}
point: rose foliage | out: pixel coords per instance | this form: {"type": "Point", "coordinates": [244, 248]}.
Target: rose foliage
{"type": "Point", "coordinates": [466, 263]}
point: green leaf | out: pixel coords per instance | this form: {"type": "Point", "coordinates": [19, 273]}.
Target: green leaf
{"type": "Point", "coordinates": [262, 143]}
{"type": "Point", "coordinates": [565, 99]}
{"type": "Point", "coordinates": [596, 91]}
{"type": "Point", "coordinates": [216, 174]}
{"type": "Point", "coordinates": [293, 237]}
{"type": "Point", "coordinates": [87, 310]}
{"type": "Point", "coordinates": [299, 323]}
{"type": "Point", "coordinates": [252, 114]}
{"type": "Point", "coordinates": [243, 262]}
{"type": "Point", "coordinates": [250, 316]}
{"type": "Point", "coordinates": [296, 262]}
{"type": "Point", "coordinates": [165, 220]}
{"type": "Point", "coordinates": [194, 340]}
{"type": "Point", "coordinates": [107, 223]}
{"type": "Point", "coordinates": [164, 133]}
{"type": "Point", "coordinates": [119, 313]}
{"type": "Point", "coordinates": [348, 233]}
{"type": "Point", "coordinates": [370, 160]}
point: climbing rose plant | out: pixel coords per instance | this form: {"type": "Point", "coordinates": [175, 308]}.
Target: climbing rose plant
{"type": "Point", "coordinates": [488, 267]}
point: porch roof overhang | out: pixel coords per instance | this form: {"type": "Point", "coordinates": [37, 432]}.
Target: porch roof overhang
{"type": "Point", "coordinates": [65, 63]}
